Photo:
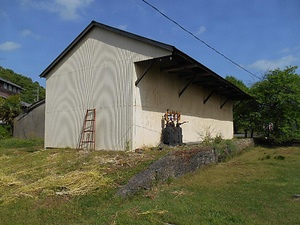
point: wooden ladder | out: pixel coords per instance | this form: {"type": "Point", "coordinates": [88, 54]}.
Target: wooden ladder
{"type": "Point", "coordinates": [87, 139]}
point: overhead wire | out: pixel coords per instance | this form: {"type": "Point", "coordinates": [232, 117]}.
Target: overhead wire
{"type": "Point", "coordinates": [197, 38]}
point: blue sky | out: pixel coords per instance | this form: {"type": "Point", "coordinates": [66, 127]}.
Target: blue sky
{"type": "Point", "coordinates": [260, 35]}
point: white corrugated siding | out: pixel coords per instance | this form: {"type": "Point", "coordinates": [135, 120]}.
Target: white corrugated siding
{"type": "Point", "coordinates": [99, 73]}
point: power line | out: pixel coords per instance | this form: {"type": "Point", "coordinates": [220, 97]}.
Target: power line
{"type": "Point", "coordinates": [193, 35]}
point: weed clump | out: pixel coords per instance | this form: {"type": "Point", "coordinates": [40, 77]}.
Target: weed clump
{"type": "Point", "coordinates": [225, 149]}
{"type": "Point", "coordinates": [279, 157]}
{"type": "Point", "coordinates": [265, 157]}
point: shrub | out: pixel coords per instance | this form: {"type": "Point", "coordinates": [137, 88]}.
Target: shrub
{"type": "Point", "coordinates": [4, 132]}
{"type": "Point", "coordinates": [225, 149]}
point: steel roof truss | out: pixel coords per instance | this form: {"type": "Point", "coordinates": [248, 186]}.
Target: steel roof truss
{"type": "Point", "coordinates": [178, 68]}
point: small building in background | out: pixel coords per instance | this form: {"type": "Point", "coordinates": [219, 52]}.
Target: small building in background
{"type": "Point", "coordinates": [31, 123]}
{"type": "Point", "coordinates": [8, 88]}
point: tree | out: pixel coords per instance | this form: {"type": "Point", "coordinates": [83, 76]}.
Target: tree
{"type": "Point", "coordinates": [29, 94]}
{"type": "Point", "coordinates": [9, 109]}
{"type": "Point", "coordinates": [278, 97]}
{"type": "Point", "coordinates": [240, 84]}
{"type": "Point", "coordinates": [243, 112]}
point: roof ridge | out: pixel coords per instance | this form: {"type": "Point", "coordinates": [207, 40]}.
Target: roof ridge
{"type": "Point", "coordinates": [109, 28]}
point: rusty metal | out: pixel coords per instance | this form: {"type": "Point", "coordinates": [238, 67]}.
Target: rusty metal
{"type": "Point", "coordinates": [87, 140]}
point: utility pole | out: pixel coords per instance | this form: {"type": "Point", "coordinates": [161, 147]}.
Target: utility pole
{"type": "Point", "coordinates": [37, 94]}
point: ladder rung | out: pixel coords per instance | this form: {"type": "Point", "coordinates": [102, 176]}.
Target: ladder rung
{"type": "Point", "coordinates": [87, 136]}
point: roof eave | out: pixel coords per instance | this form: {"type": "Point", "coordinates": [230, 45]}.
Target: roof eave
{"type": "Point", "coordinates": [243, 94]}
{"type": "Point", "coordinates": [229, 89]}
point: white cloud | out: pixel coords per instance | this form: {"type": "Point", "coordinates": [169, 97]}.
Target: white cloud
{"type": "Point", "coordinates": [26, 33]}
{"type": "Point", "coordinates": [9, 46]}
{"type": "Point", "coordinates": [266, 65]}
{"type": "Point", "coordinates": [289, 50]}
{"type": "Point", "coordinates": [285, 50]}
{"type": "Point", "coordinates": [67, 9]}
{"type": "Point", "coordinates": [29, 33]}
{"type": "Point", "coordinates": [201, 30]}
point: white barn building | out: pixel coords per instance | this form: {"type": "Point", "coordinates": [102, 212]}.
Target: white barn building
{"type": "Point", "coordinates": [131, 81]}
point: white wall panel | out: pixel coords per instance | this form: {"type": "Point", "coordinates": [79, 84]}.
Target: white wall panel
{"type": "Point", "coordinates": [100, 73]}
{"type": "Point", "coordinates": [97, 73]}
{"type": "Point", "coordinates": [159, 91]}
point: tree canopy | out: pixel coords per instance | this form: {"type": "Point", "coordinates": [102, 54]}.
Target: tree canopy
{"type": "Point", "coordinates": [29, 94]}
{"type": "Point", "coordinates": [276, 106]}
{"type": "Point", "coordinates": [278, 97]}
{"type": "Point", "coordinates": [240, 84]}
{"type": "Point", "coordinates": [10, 108]}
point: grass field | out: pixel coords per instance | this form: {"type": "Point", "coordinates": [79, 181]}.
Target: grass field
{"type": "Point", "coordinates": [66, 186]}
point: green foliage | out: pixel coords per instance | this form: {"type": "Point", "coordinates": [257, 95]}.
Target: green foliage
{"type": "Point", "coordinates": [278, 98]}
{"type": "Point", "coordinates": [244, 114]}
{"type": "Point", "coordinates": [9, 143]}
{"type": "Point", "coordinates": [30, 88]}
{"type": "Point", "coordinates": [226, 149]}
{"type": "Point", "coordinates": [279, 157]}
{"type": "Point", "coordinates": [9, 109]}
{"type": "Point", "coordinates": [265, 157]}
{"type": "Point", "coordinates": [237, 83]}
{"type": "Point", "coordinates": [4, 131]}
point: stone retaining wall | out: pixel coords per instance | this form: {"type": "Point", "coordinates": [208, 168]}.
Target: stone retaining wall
{"type": "Point", "coordinates": [241, 144]}
{"type": "Point", "coordinates": [175, 164]}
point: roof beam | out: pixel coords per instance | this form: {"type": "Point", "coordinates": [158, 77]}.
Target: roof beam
{"type": "Point", "coordinates": [145, 72]}
{"type": "Point", "coordinates": [186, 75]}
{"type": "Point", "coordinates": [186, 86]}
{"type": "Point", "coordinates": [178, 68]}
{"type": "Point", "coordinates": [237, 104]}
{"type": "Point", "coordinates": [208, 97]}
{"type": "Point", "coordinates": [227, 99]}
{"type": "Point", "coordinates": [206, 80]}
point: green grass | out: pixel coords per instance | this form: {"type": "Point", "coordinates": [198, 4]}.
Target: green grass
{"type": "Point", "coordinates": [11, 145]}
{"type": "Point", "coordinates": [66, 186]}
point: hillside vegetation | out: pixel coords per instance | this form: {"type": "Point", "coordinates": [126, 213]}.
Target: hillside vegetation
{"type": "Point", "coordinates": [66, 186]}
{"type": "Point", "coordinates": [29, 94]}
